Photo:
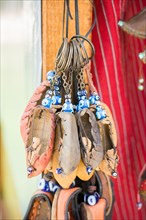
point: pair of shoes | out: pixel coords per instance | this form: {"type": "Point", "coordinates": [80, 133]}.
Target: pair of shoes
{"type": "Point", "coordinates": [73, 203]}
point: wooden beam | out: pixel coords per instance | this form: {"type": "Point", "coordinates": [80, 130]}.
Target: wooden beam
{"type": "Point", "coordinates": [52, 16]}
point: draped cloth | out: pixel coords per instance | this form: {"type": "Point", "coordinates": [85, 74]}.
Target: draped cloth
{"type": "Point", "coordinates": [115, 73]}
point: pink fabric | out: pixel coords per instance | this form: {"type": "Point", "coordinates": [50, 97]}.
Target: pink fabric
{"type": "Point", "coordinates": [115, 73]}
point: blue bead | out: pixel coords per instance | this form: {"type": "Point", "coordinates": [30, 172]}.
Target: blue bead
{"type": "Point", "coordinates": [59, 170]}
{"type": "Point", "coordinates": [114, 174]}
{"type": "Point", "coordinates": [67, 107]}
{"type": "Point", "coordinates": [47, 186]}
{"type": "Point", "coordinates": [91, 199]}
{"type": "Point", "coordinates": [83, 103]}
{"type": "Point", "coordinates": [100, 113]}
{"type": "Point", "coordinates": [50, 75]}
{"type": "Point", "coordinates": [30, 170]}
{"type": "Point", "coordinates": [49, 92]}
{"type": "Point", "coordinates": [43, 185]}
{"type": "Point", "coordinates": [47, 102]}
{"type": "Point", "coordinates": [94, 99]}
{"type": "Point", "coordinates": [56, 88]}
{"type": "Point", "coordinates": [89, 169]}
{"type": "Point", "coordinates": [56, 92]}
{"type": "Point", "coordinates": [56, 100]}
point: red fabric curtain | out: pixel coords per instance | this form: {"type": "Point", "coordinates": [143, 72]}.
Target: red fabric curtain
{"type": "Point", "coordinates": [115, 71]}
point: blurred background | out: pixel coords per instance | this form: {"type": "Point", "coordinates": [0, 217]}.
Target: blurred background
{"type": "Point", "coordinates": [20, 74]}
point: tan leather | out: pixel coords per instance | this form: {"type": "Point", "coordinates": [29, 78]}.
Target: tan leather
{"type": "Point", "coordinates": [110, 122]}
{"type": "Point", "coordinates": [40, 140]}
{"type": "Point", "coordinates": [55, 205]}
{"type": "Point", "coordinates": [50, 195]}
{"type": "Point", "coordinates": [39, 206]}
{"type": "Point", "coordinates": [136, 25]}
{"type": "Point", "coordinates": [69, 148]}
{"type": "Point", "coordinates": [81, 172]}
{"type": "Point", "coordinates": [106, 190]}
{"type": "Point", "coordinates": [109, 140]}
{"type": "Point", "coordinates": [61, 203]}
{"type": "Point", "coordinates": [64, 180]}
{"type": "Point", "coordinates": [96, 212]}
{"type": "Point", "coordinates": [90, 140]}
{"type": "Point", "coordinates": [35, 100]}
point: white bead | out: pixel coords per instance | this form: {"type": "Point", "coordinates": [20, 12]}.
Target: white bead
{"type": "Point", "coordinates": [141, 55]}
{"type": "Point", "coordinates": [140, 87]}
{"type": "Point", "coordinates": [91, 200]}
{"type": "Point", "coordinates": [141, 80]}
{"type": "Point", "coordinates": [41, 184]}
{"type": "Point", "coordinates": [121, 23]}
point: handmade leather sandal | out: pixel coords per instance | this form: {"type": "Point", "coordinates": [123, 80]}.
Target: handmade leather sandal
{"type": "Point", "coordinates": [109, 140]}
{"type": "Point", "coordinates": [104, 206]}
{"type": "Point", "coordinates": [96, 212]}
{"type": "Point", "coordinates": [35, 100]}
{"type": "Point", "coordinates": [40, 140]}
{"type": "Point", "coordinates": [69, 149]}
{"type": "Point", "coordinates": [39, 206]}
{"type": "Point", "coordinates": [61, 206]}
{"type": "Point", "coordinates": [101, 185]}
{"type": "Point", "coordinates": [66, 154]}
{"type": "Point", "coordinates": [107, 191]}
{"type": "Point", "coordinates": [90, 141]}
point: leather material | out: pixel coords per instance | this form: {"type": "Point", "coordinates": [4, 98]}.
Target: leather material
{"type": "Point", "coordinates": [60, 206]}
{"type": "Point", "coordinates": [107, 191]}
{"type": "Point", "coordinates": [37, 130]}
{"type": "Point", "coordinates": [104, 188]}
{"type": "Point", "coordinates": [90, 140]}
{"type": "Point", "coordinates": [96, 212]}
{"type": "Point", "coordinates": [136, 25]}
{"type": "Point", "coordinates": [35, 100]}
{"type": "Point", "coordinates": [66, 153]}
{"type": "Point", "coordinates": [82, 173]}
{"type": "Point", "coordinates": [109, 141]}
{"type": "Point", "coordinates": [64, 180]}
{"type": "Point", "coordinates": [40, 140]}
{"type": "Point", "coordinates": [39, 206]}
{"type": "Point", "coordinates": [69, 149]}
